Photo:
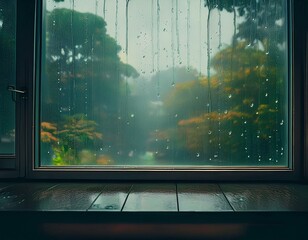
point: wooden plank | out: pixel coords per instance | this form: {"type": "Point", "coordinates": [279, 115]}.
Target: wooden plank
{"type": "Point", "coordinates": [20, 196]}
{"type": "Point", "coordinates": [201, 197]}
{"type": "Point", "coordinates": [4, 185]}
{"type": "Point", "coordinates": [152, 197]}
{"type": "Point", "coordinates": [112, 198]}
{"type": "Point", "coordinates": [69, 197]}
{"type": "Point", "coordinates": [267, 197]}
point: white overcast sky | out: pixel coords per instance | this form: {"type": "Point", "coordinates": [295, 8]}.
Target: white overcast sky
{"type": "Point", "coordinates": [143, 39]}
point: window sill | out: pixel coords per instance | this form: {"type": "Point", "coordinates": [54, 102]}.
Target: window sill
{"type": "Point", "coordinates": [86, 210]}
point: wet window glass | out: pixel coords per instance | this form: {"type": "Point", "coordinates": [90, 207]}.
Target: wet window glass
{"type": "Point", "coordinates": [7, 75]}
{"type": "Point", "coordinates": [198, 83]}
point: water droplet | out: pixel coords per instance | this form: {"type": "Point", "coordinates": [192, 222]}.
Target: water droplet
{"type": "Point", "coordinates": [276, 101]}
{"type": "Point", "coordinates": [172, 84]}
{"type": "Point", "coordinates": [267, 53]}
{"type": "Point", "coordinates": [257, 113]}
{"type": "Point", "coordinates": [143, 56]}
{"type": "Point", "coordinates": [281, 123]}
{"type": "Point", "coordinates": [198, 155]}
{"type": "Point", "coordinates": [270, 159]}
{"type": "Point", "coordinates": [215, 156]}
{"type": "Point", "coordinates": [251, 105]}
{"type": "Point", "coordinates": [258, 136]}
{"type": "Point", "coordinates": [226, 111]}
{"type": "Point", "coordinates": [245, 122]}
{"type": "Point", "coordinates": [167, 147]}
{"type": "Point", "coordinates": [175, 115]}
{"type": "Point", "coordinates": [267, 80]}
{"type": "Point", "coordinates": [242, 135]}
{"type": "Point", "coordinates": [210, 132]}
{"type": "Point", "coordinates": [266, 94]}
{"type": "Point", "coordinates": [158, 95]}
{"type": "Point", "coordinates": [132, 115]}
{"type": "Point", "coordinates": [230, 133]}
{"type": "Point", "coordinates": [230, 96]}
{"type": "Point", "coordinates": [156, 140]}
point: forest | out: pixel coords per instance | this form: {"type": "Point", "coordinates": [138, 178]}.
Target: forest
{"type": "Point", "coordinates": [97, 108]}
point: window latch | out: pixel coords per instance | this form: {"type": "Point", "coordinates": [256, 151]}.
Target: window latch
{"type": "Point", "coordinates": [15, 91]}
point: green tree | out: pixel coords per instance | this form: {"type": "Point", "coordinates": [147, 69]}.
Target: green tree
{"type": "Point", "coordinates": [83, 73]}
{"type": "Point", "coordinates": [74, 133]}
{"type": "Point", "coordinates": [245, 125]}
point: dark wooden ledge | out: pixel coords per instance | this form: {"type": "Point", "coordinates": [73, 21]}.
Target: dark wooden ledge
{"type": "Point", "coordinates": [53, 210]}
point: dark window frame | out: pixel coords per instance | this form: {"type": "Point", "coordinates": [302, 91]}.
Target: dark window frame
{"type": "Point", "coordinates": [28, 46]}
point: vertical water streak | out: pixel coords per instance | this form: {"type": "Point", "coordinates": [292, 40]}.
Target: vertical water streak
{"type": "Point", "coordinates": [158, 47]}
{"type": "Point", "coordinates": [209, 103]}
{"type": "Point", "coordinates": [104, 10]}
{"type": "Point", "coordinates": [200, 38]}
{"type": "Point", "coordinates": [177, 27]}
{"type": "Point", "coordinates": [220, 74]}
{"type": "Point", "coordinates": [116, 22]}
{"type": "Point", "coordinates": [233, 38]}
{"type": "Point", "coordinates": [152, 37]}
{"type": "Point", "coordinates": [277, 100]}
{"type": "Point", "coordinates": [172, 44]}
{"type": "Point", "coordinates": [188, 35]}
{"type": "Point", "coordinates": [86, 63]}
{"type": "Point", "coordinates": [96, 7]}
{"type": "Point", "coordinates": [126, 56]}
{"type": "Point", "coordinates": [73, 65]}
{"type": "Point", "coordinates": [219, 31]}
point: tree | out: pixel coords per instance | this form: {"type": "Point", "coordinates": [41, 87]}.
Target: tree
{"type": "Point", "coordinates": [82, 72]}
{"type": "Point", "coordinates": [245, 124]}
{"type": "Point", "coordinates": [75, 133]}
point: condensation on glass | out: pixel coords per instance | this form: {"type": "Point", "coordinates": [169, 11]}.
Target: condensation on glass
{"type": "Point", "coordinates": [199, 83]}
{"type": "Point", "coordinates": [7, 75]}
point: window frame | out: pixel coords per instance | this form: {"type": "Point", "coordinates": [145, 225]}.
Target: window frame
{"type": "Point", "coordinates": [29, 22]}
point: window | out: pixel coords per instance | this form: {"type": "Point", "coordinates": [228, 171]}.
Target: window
{"type": "Point", "coordinates": [193, 89]}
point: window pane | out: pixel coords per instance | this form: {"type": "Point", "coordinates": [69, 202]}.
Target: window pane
{"type": "Point", "coordinates": [164, 83]}
{"type": "Point", "coordinates": [7, 75]}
